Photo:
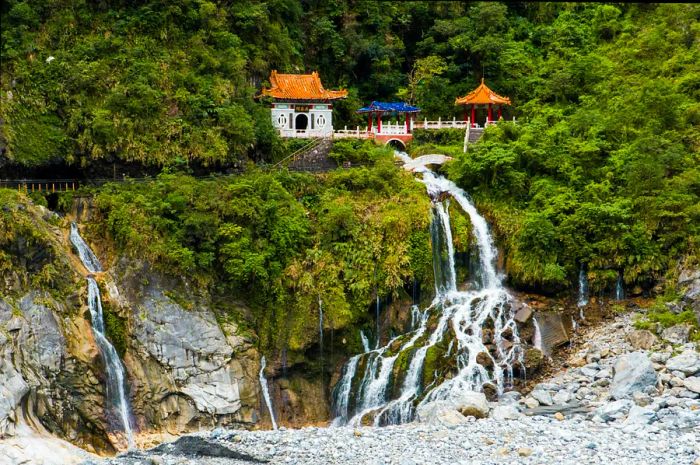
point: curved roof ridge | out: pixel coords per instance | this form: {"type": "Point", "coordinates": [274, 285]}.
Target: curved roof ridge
{"type": "Point", "coordinates": [300, 87]}
{"type": "Point", "coordinates": [482, 95]}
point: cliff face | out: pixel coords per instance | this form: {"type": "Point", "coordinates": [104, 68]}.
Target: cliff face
{"type": "Point", "coordinates": [185, 369]}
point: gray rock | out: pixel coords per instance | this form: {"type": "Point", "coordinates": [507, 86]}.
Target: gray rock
{"type": "Point", "coordinates": [614, 410]}
{"type": "Point", "coordinates": [678, 334]}
{"type": "Point", "coordinates": [510, 396]}
{"type": "Point", "coordinates": [12, 389]}
{"type": "Point", "coordinates": [472, 404]}
{"type": "Point", "coordinates": [633, 372]}
{"type": "Point", "coordinates": [660, 357]}
{"type": "Point", "coordinates": [542, 396]}
{"type": "Point", "coordinates": [688, 362]}
{"type": "Point", "coordinates": [641, 339]}
{"type": "Point", "coordinates": [692, 384]}
{"type": "Point", "coordinates": [563, 397]}
{"type": "Point", "coordinates": [523, 314]}
{"type": "Point", "coordinates": [506, 412]}
{"type": "Point", "coordinates": [640, 415]}
{"type": "Point", "coordinates": [642, 399]}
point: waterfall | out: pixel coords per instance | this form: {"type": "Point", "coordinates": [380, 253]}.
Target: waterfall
{"type": "Point", "coordinates": [537, 338]}
{"type": "Point", "coordinates": [619, 289]}
{"type": "Point", "coordinates": [461, 315]}
{"type": "Point", "coordinates": [582, 288]}
{"type": "Point", "coordinates": [365, 342]}
{"type": "Point", "coordinates": [116, 379]}
{"type": "Point", "coordinates": [376, 316]}
{"type": "Point", "coordinates": [342, 391]}
{"type": "Point", "coordinates": [90, 261]}
{"type": "Point", "coordinates": [266, 392]}
{"type": "Point", "coordinates": [320, 324]}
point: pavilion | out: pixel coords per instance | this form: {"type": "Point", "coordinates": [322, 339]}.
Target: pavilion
{"type": "Point", "coordinates": [376, 110]}
{"type": "Point", "coordinates": [482, 97]}
{"type": "Point", "coordinates": [301, 106]}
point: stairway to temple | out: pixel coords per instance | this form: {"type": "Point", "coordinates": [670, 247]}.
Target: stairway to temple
{"type": "Point", "coordinates": [315, 158]}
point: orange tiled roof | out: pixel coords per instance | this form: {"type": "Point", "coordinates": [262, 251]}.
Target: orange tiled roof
{"type": "Point", "coordinates": [301, 87]}
{"type": "Point", "coordinates": [482, 95]}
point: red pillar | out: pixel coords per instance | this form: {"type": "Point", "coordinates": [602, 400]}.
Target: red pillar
{"type": "Point", "coordinates": [408, 126]}
{"type": "Point", "coordinates": [379, 121]}
{"type": "Point", "coordinates": [490, 113]}
{"type": "Point", "coordinates": [499, 112]}
{"type": "Point", "coordinates": [473, 116]}
{"type": "Point", "coordinates": [369, 122]}
{"type": "Point", "coordinates": [466, 114]}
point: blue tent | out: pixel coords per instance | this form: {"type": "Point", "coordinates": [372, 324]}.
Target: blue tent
{"type": "Point", "coordinates": [389, 107]}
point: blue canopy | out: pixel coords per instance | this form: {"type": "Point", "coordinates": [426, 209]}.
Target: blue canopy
{"type": "Point", "coordinates": [394, 107]}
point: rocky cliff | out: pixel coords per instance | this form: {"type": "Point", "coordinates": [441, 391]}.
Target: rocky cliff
{"type": "Point", "coordinates": [185, 369]}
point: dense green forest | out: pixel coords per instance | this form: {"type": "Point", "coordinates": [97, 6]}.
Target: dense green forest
{"type": "Point", "coordinates": [601, 171]}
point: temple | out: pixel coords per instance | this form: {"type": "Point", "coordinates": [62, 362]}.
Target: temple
{"type": "Point", "coordinates": [482, 97]}
{"type": "Point", "coordinates": [301, 106]}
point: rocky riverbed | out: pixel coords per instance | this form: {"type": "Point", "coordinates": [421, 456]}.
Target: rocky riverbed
{"type": "Point", "coordinates": [625, 397]}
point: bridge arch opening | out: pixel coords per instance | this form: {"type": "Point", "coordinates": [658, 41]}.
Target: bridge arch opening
{"type": "Point", "coordinates": [397, 144]}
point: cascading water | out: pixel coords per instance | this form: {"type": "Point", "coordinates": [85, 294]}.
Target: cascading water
{"type": "Point", "coordinates": [619, 289]}
{"type": "Point", "coordinates": [461, 315]}
{"type": "Point", "coordinates": [320, 324]}
{"type": "Point", "coordinates": [116, 379]}
{"type": "Point", "coordinates": [376, 316]}
{"type": "Point", "coordinates": [365, 342]}
{"type": "Point", "coordinates": [266, 391]}
{"type": "Point", "coordinates": [582, 292]}
{"type": "Point", "coordinates": [537, 338]}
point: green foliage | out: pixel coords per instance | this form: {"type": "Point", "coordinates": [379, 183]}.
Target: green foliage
{"type": "Point", "coordinates": [116, 330]}
{"type": "Point", "coordinates": [603, 165]}
{"type": "Point", "coordinates": [358, 151]}
{"type": "Point", "coordinates": [279, 240]}
{"type": "Point", "coordinates": [27, 249]}
{"type": "Point", "coordinates": [660, 316]}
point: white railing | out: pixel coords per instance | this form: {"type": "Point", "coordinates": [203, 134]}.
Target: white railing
{"type": "Point", "coordinates": [388, 129]}
{"type": "Point", "coordinates": [357, 133]}
{"type": "Point", "coordinates": [306, 133]}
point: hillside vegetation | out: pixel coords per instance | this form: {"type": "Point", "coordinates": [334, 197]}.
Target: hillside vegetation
{"type": "Point", "coordinates": [601, 170]}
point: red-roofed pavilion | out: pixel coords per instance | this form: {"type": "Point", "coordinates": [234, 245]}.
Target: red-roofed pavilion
{"type": "Point", "coordinates": [482, 97]}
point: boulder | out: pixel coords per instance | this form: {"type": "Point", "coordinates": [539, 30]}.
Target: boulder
{"type": "Point", "coordinates": [523, 314]}
{"type": "Point", "coordinates": [439, 412]}
{"type": "Point", "coordinates": [641, 339]}
{"type": "Point", "coordinates": [563, 397]}
{"type": "Point", "coordinates": [692, 384]}
{"type": "Point", "coordinates": [506, 412]}
{"type": "Point", "coordinates": [614, 410]}
{"type": "Point", "coordinates": [469, 403]}
{"type": "Point", "coordinates": [542, 396]}
{"type": "Point", "coordinates": [472, 404]}
{"type": "Point", "coordinates": [640, 416]}
{"type": "Point", "coordinates": [688, 362]}
{"type": "Point", "coordinates": [678, 334]}
{"type": "Point", "coordinates": [633, 372]}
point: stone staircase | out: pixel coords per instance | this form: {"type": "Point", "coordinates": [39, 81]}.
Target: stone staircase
{"type": "Point", "coordinates": [315, 158]}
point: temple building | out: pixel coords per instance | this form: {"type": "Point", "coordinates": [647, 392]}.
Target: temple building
{"type": "Point", "coordinates": [482, 97]}
{"type": "Point", "coordinates": [301, 106]}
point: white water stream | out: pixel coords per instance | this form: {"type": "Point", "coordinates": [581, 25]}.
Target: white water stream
{"type": "Point", "coordinates": [266, 391]}
{"type": "Point", "coordinates": [461, 315]}
{"type": "Point", "coordinates": [116, 379]}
